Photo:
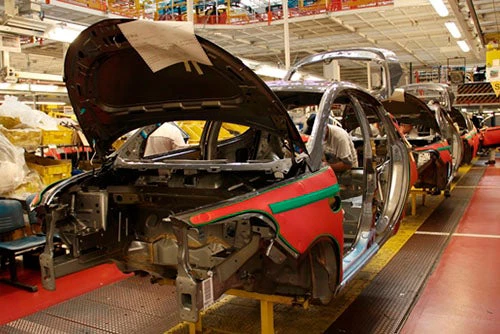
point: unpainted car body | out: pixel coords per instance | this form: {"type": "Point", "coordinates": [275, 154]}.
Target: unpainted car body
{"type": "Point", "coordinates": [468, 132]}
{"type": "Point", "coordinates": [375, 69]}
{"type": "Point", "coordinates": [257, 211]}
{"type": "Point", "coordinates": [431, 148]}
{"type": "Point", "coordinates": [442, 93]}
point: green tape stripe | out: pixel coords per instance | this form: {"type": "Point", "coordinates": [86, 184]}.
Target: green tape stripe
{"type": "Point", "coordinates": [303, 200]}
{"type": "Point", "coordinates": [444, 148]}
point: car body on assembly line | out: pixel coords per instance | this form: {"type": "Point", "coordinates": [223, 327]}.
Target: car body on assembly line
{"type": "Point", "coordinates": [468, 132]}
{"type": "Point", "coordinates": [431, 147]}
{"type": "Point", "coordinates": [375, 69]}
{"type": "Point", "coordinates": [255, 210]}
{"type": "Point", "coordinates": [442, 93]}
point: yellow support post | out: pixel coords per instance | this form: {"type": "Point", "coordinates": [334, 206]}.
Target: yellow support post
{"type": "Point", "coordinates": [266, 309]}
{"type": "Point", "coordinates": [195, 327]}
{"type": "Point", "coordinates": [413, 197]}
{"type": "Point", "coordinates": [267, 306]}
{"type": "Point", "coordinates": [266, 317]}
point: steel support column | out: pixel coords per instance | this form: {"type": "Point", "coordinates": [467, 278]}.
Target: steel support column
{"type": "Point", "coordinates": [286, 36]}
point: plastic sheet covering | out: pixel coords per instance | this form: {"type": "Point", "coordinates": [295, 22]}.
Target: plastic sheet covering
{"type": "Point", "coordinates": [33, 118]}
{"type": "Point", "coordinates": [12, 165]}
{"type": "Point", "coordinates": [32, 184]}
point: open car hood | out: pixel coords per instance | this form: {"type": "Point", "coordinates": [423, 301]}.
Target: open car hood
{"type": "Point", "coordinates": [113, 91]}
{"type": "Point", "coordinates": [408, 108]}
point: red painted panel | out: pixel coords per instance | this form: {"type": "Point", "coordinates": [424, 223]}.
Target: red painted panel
{"type": "Point", "coordinates": [413, 170]}
{"type": "Point", "coordinates": [490, 137]}
{"type": "Point", "coordinates": [299, 227]}
{"type": "Point", "coordinates": [445, 154]}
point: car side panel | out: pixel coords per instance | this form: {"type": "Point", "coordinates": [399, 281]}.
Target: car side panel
{"type": "Point", "coordinates": [490, 137]}
{"type": "Point", "coordinates": [442, 147]}
{"type": "Point", "coordinates": [300, 209]}
{"type": "Point", "coordinates": [472, 138]}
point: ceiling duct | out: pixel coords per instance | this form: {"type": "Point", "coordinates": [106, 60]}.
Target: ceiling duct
{"type": "Point", "coordinates": [26, 23]}
{"type": "Point", "coordinates": [26, 15]}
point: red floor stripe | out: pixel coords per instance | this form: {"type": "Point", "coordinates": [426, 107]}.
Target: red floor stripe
{"type": "Point", "coordinates": [16, 303]}
{"type": "Point", "coordinates": [483, 214]}
{"type": "Point", "coordinates": [463, 293]}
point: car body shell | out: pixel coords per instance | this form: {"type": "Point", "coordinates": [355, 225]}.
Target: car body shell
{"type": "Point", "coordinates": [385, 59]}
{"type": "Point", "coordinates": [431, 149]}
{"type": "Point", "coordinates": [442, 95]}
{"type": "Point", "coordinates": [257, 211]}
{"type": "Point", "coordinates": [470, 135]}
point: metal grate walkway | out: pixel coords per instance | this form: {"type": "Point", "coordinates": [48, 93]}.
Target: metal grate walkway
{"type": "Point", "coordinates": [133, 305]}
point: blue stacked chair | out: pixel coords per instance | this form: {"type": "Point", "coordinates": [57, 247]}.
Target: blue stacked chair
{"type": "Point", "coordinates": [12, 219]}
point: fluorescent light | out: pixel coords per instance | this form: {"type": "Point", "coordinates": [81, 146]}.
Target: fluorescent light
{"type": "Point", "coordinates": [439, 7]}
{"type": "Point", "coordinates": [464, 46]}
{"type": "Point", "coordinates": [453, 29]}
{"type": "Point", "coordinates": [268, 71]}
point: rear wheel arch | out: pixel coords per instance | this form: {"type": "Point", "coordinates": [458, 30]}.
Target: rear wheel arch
{"type": "Point", "coordinates": [324, 259]}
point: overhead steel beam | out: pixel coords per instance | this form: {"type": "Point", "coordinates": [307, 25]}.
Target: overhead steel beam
{"type": "Point", "coordinates": [352, 29]}
{"type": "Point", "coordinates": [21, 31]}
{"type": "Point", "coordinates": [472, 11]}
{"type": "Point", "coordinates": [463, 26]}
{"type": "Point", "coordinates": [39, 76]}
{"type": "Point", "coordinates": [410, 52]}
{"type": "Point", "coordinates": [286, 36]}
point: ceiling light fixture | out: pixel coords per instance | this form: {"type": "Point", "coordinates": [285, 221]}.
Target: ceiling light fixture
{"type": "Point", "coordinates": [270, 71]}
{"type": "Point", "coordinates": [453, 29]}
{"type": "Point", "coordinates": [439, 7]}
{"type": "Point", "coordinates": [464, 46]}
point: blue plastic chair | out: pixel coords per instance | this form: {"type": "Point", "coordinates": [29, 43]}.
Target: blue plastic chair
{"type": "Point", "coordinates": [11, 219]}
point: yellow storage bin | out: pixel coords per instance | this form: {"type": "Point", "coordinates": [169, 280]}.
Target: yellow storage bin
{"type": "Point", "coordinates": [63, 136]}
{"type": "Point", "coordinates": [29, 139]}
{"type": "Point", "coordinates": [50, 170]}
